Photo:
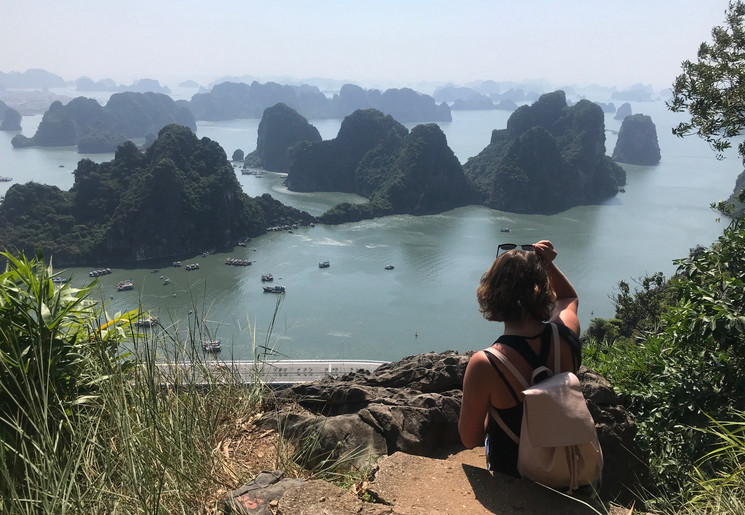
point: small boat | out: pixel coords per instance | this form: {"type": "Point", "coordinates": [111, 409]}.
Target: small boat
{"type": "Point", "coordinates": [267, 277]}
{"type": "Point", "coordinates": [324, 264]}
{"type": "Point", "coordinates": [241, 243]}
{"type": "Point", "coordinates": [6, 179]}
{"type": "Point", "coordinates": [166, 281]}
{"type": "Point", "coordinates": [212, 346]}
{"type": "Point", "coordinates": [177, 264]}
{"type": "Point", "coordinates": [154, 271]}
{"type": "Point", "coordinates": [193, 266]}
{"type": "Point", "coordinates": [389, 267]}
{"type": "Point", "coordinates": [148, 321]}
{"type": "Point", "coordinates": [274, 289]}
{"type": "Point", "coordinates": [125, 285]}
{"type": "Point", "coordinates": [504, 229]}
{"type": "Point", "coordinates": [59, 280]}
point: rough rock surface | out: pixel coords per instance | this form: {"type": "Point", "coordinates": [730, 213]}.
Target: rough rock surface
{"type": "Point", "coordinates": [280, 128]}
{"type": "Point", "coordinates": [412, 406]}
{"type": "Point", "coordinates": [637, 141]}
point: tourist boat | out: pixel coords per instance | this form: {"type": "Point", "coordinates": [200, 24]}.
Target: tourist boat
{"type": "Point", "coordinates": [324, 264]}
{"type": "Point", "coordinates": [177, 264]}
{"type": "Point", "coordinates": [238, 262]}
{"type": "Point", "coordinates": [148, 321]}
{"type": "Point", "coordinates": [389, 267]}
{"type": "Point", "coordinates": [6, 179]}
{"type": "Point", "coordinates": [99, 272]}
{"type": "Point", "coordinates": [166, 281]}
{"type": "Point", "coordinates": [267, 277]}
{"type": "Point", "coordinates": [504, 229]}
{"type": "Point", "coordinates": [125, 285]}
{"type": "Point", "coordinates": [212, 346]}
{"type": "Point", "coordinates": [274, 289]}
{"type": "Point", "coordinates": [59, 280]}
{"type": "Point", "coordinates": [193, 266]}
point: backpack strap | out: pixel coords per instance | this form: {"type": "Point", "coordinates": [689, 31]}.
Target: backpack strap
{"type": "Point", "coordinates": [557, 347]}
{"type": "Point", "coordinates": [515, 372]}
{"type": "Point", "coordinates": [501, 375]}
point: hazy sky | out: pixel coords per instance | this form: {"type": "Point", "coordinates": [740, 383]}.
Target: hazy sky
{"type": "Point", "coordinates": [607, 42]}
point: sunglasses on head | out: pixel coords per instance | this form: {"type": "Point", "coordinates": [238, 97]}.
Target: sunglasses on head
{"type": "Point", "coordinates": [504, 247]}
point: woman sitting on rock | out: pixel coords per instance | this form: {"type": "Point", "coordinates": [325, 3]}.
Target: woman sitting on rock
{"type": "Point", "coordinates": [525, 290]}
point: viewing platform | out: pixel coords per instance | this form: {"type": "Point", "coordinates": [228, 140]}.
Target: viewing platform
{"type": "Point", "coordinates": [272, 372]}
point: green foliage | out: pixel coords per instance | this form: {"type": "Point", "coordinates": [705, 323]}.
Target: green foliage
{"type": "Point", "coordinates": [86, 429]}
{"type": "Point", "coordinates": [711, 89]}
{"type": "Point", "coordinates": [685, 361]}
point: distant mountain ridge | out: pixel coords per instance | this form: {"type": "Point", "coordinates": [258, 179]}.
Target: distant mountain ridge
{"type": "Point", "coordinates": [95, 128]}
{"type": "Point", "coordinates": [233, 100]}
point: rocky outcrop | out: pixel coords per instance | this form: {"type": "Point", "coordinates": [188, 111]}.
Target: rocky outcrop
{"type": "Point", "coordinates": [623, 111]}
{"type": "Point", "coordinates": [637, 141]}
{"type": "Point", "coordinates": [374, 156]}
{"type": "Point", "coordinates": [181, 196]}
{"type": "Point", "coordinates": [231, 100]}
{"type": "Point", "coordinates": [126, 115]}
{"type": "Point", "coordinates": [330, 165]}
{"type": "Point", "coordinates": [10, 119]}
{"type": "Point", "coordinates": [413, 406]}
{"type": "Point", "coordinates": [280, 129]}
{"type": "Point", "coordinates": [549, 158]}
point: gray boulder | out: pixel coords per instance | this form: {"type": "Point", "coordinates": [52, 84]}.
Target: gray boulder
{"type": "Point", "coordinates": [413, 406]}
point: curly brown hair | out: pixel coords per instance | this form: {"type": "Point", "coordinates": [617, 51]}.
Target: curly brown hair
{"type": "Point", "coordinates": [516, 284]}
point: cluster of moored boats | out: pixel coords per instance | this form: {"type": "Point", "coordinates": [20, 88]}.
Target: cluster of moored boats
{"type": "Point", "coordinates": [125, 285]}
{"type": "Point", "coordinates": [285, 227]}
{"type": "Point", "coordinates": [238, 262]}
{"type": "Point", "coordinates": [192, 266]}
{"type": "Point", "coordinates": [99, 272]}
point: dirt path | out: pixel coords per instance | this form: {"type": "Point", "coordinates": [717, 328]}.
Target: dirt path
{"type": "Point", "coordinates": [414, 485]}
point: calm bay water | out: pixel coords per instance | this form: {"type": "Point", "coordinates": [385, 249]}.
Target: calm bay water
{"type": "Point", "coordinates": [355, 308]}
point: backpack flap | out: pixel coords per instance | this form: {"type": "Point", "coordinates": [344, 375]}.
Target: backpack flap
{"type": "Point", "coordinates": [558, 398]}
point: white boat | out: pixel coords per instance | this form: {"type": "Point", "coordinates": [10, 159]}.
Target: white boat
{"type": "Point", "coordinates": [274, 289]}
{"type": "Point", "coordinates": [324, 264]}
{"type": "Point", "coordinates": [212, 346]}
{"type": "Point", "coordinates": [148, 321]}
{"type": "Point", "coordinates": [267, 277]}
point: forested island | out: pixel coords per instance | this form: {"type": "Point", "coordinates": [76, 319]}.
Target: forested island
{"type": "Point", "coordinates": [179, 196]}
{"type": "Point", "coordinates": [95, 128]}
{"type": "Point", "coordinates": [549, 158]}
